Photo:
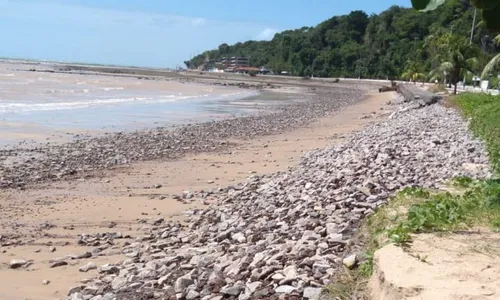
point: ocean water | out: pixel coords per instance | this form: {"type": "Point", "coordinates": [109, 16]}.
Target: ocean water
{"type": "Point", "coordinates": [36, 101]}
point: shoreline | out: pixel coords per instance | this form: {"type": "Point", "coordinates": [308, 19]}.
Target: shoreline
{"type": "Point", "coordinates": [132, 191]}
{"type": "Point", "coordinates": [329, 175]}
{"type": "Point", "coordinates": [87, 157]}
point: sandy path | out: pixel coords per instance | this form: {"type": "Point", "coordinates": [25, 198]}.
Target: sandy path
{"type": "Point", "coordinates": [125, 196]}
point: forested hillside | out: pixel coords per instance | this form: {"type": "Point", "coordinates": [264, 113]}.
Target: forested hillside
{"type": "Point", "coordinates": [375, 46]}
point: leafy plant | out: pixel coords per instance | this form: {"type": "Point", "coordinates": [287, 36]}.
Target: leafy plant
{"type": "Point", "coordinates": [462, 181]}
{"type": "Point", "coordinates": [414, 192]}
{"type": "Point", "coordinates": [490, 66]}
{"type": "Point", "coordinates": [360, 45]}
{"type": "Point", "coordinates": [490, 10]}
{"type": "Point", "coordinates": [484, 112]}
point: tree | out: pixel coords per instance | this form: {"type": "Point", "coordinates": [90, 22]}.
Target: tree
{"type": "Point", "coordinates": [412, 72]}
{"type": "Point", "coordinates": [493, 63]}
{"type": "Point", "coordinates": [459, 62]}
{"type": "Point", "coordinates": [357, 44]}
{"type": "Point", "coordinates": [490, 66]}
{"type": "Point", "coordinates": [490, 10]}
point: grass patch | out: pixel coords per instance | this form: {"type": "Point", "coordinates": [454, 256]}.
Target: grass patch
{"type": "Point", "coordinates": [417, 210]}
{"type": "Point", "coordinates": [476, 203]}
{"type": "Point", "coordinates": [484, 112]}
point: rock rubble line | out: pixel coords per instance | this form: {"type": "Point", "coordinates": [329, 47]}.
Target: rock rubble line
{"type": "Point", "coordinates": [283, 236]}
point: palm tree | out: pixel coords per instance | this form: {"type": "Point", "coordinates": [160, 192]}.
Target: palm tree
{"type": "Point", "coordinates": [412, 72]}
{"type": "Point", "coordinates": [455, 68]}
{"type": "Point", "coordinates": [456, 57]}
{"type": "Point", "coordinates": [493, 63]}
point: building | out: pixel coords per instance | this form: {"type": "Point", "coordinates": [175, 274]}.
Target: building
{"type": "Point", "coordinates": [230, 63]}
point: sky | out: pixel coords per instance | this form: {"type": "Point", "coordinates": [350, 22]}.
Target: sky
{"type": "Point", "coordinates": [154, 33]}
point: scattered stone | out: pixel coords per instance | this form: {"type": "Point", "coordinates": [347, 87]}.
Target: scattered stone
{"type": "Point", "coordinates": [192, 295]}
{"type": "Point", "coordinates": [57, 263]}
{"type": "Point", "coordinates": [231, 290]}
{"type": "Point", "coordinates": [89, 266]}
{"type": "Point", "coordinates": [286, 233]}
{"type": "Point", "coordinates": [17, 263]}
{"type": "Point", "coordinates": [285, 289]}
{"type": "Point", "coordinates": [350, 261]}
{"type": "Point", "coordinates": [182, 283]}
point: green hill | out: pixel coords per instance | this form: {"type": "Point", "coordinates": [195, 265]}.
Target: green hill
{"type": "Point", "coordinates": [375, 46]}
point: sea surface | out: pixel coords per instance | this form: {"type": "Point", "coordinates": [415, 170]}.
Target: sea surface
{"type": "Point", "coordinates": [37, 104]}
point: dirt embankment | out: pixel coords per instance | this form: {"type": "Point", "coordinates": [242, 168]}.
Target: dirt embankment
{"type": "Point", "coordinates": [453, 267]}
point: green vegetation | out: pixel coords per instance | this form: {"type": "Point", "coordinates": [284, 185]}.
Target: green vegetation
{"type": "Point", "coordinates": [478, 205]}
{"type": "Point", "coordinates": [490, 10]}
{"type": "Point", "coordinates": [455, 56]}
{"type": "Point", "coordinates": [396, 43]}
{"type": "Point", "coordinates": [484, 112]}
{"type": "Point", "coordinates": [416, 210]}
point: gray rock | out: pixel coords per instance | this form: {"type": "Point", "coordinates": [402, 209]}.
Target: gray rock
{"type": "Point", "coordinates": [312, 293]}
{"type": "Point", "coordinates": [17, 263]}
{"type": "Point", "coordinates": [239, 237]}
{"type": "Point", "coordinates": [57, 263]}
{"type": "Point", "coordinates": [285, 289]}
{"type": "Point", "coordinates": [182, 283]}
{"type": "Point", "coordinates": [192, 295]}
{"type": "Point", "coordinates": [109, 269]}
{"type": "Point", "coordinates": [250, 288]}
{"type": "Point", "coordinates": [350, 261]}
{"type": "Point", "coordinates": [234, 290]}
{"type": "Point", "coordinates": [118, 283]}
{"type": "Point", "coordinates": [76, 296]}
{"type": "Point", "coordinates": [89, 266]}
{"type": "Point", "coordinates": [290, 272]}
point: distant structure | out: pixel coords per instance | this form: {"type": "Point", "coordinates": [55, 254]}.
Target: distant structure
{"type": "Point", "coordinates": [229, 64]}
{"type": "Point", "coordinates": [234, 64]}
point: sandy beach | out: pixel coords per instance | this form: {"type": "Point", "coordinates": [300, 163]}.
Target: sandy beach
{"type": "Point", "coordinates": [123, 196]}
{"type": "Point", "coordinates": [43, 220]}
{"type": "Point", "coordinates": [266, 205]}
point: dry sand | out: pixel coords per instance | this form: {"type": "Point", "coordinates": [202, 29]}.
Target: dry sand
{"type": "Point", "coordinates": [124, 196]}
{"type": "Point", "coordinates": [453, 267]}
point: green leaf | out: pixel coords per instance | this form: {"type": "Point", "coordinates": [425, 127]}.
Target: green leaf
{"type": "Point", "coordinates": [426, 5]}
{"type": "Point", "coordinates": [492, 64]}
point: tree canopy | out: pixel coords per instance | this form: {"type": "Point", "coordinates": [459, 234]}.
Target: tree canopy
{"type": "Point", "coordinates": [360, 45]}
{"type": "Point", "coordinates": [490, 10]}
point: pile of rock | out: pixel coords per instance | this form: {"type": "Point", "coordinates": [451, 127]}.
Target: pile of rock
{"type": "Point", "coordinates": [283, 236]}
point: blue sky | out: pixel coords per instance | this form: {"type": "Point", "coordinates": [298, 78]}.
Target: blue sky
{"type": "Point", "coordinates": [154, 33]}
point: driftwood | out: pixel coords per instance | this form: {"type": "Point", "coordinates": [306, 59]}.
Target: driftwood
{"type": "Point", "coordinates": [392, 88]}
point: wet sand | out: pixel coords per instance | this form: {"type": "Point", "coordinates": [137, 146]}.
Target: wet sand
{"type": "Point", "coordinates": [125, 195]}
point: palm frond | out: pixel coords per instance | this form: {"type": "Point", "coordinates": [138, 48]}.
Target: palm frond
{"type": "Point", "coordinates": [496, 40]}
{"type": "Point", "coordinates": [446, 66]}
{"type": "Point", "coordinates": [490, 66]}
{"type": "Point", "coordinates": [472, 63]}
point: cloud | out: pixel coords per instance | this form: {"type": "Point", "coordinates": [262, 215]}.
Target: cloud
{"type": "Point", "coordinates": [267, 34]}
{"type": "Point", "coordinates": [198, 21]}
{"type": "Point", "coordinates": [56, 30]}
